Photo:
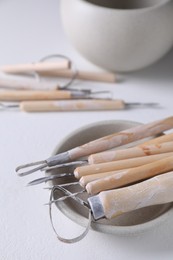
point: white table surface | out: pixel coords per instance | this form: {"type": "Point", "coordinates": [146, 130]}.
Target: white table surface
{"type": "Point", "coordinates": [30, 30]}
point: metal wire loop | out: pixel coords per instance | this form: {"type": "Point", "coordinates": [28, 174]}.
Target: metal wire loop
{"type": "Point", "coordinates": [62, 239]}
{"type": "Point", "coordinates": [70, 82]}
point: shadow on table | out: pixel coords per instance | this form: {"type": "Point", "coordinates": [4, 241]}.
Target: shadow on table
{"type": "Point", "coordinates": [156, 241]}
{"type": "Point", "coordinates": [161, 71]}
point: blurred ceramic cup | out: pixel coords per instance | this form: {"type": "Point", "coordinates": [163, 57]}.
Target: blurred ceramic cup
{"type": "Point", "coordinates": [119, 35]}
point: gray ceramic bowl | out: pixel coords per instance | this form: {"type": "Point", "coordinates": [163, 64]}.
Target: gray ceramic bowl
{"type": "Point", "coordinates": [119, 35]}
{"type": "Point", "coordinates": [129, 223]}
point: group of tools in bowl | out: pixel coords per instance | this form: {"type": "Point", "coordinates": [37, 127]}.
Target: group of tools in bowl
{"type": "Point", "coordinates": [116, 181]}
{"type": "Point", "coordinates": [44, 93]}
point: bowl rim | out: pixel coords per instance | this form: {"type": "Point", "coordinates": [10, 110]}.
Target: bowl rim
{"type": "Point", "coordinates": [142, 9]}
{"type": "Point", "coordinates": [101, 227]}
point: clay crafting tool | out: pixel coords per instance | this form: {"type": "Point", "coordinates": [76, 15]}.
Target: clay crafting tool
{"type": "Point", "coordinates": [160, 139]}
{"type": "Point", "coordinates": [129, 176]}
{"type": "Point", "coordinates": [132, 197]}
{"type": "Point", "coordinates": [30, 95]}
{"type": "Point", "coordinates": [88, 173]}
{"type": "Point", "coordinates": [35, 67]}
{"type": "Point", "coordinates": [79, 105]}
{"type": "Point", "coordinates": [139, 151]}
{"type": "Point", "coordinates": [94, 183]}
{"type": "Point", "coordinates": [112, 203]}
{"type": "Point", "coordinates": [101, 144]}
{"type": "Point", "coordinates": [82, 75]}
{"type": "Point", "coordinates": [157, 190]}
{"type": "Point", "coordinates": [95, 169]}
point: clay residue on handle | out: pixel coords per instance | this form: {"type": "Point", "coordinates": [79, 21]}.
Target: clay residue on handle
{"type": "Point", "coordinates": [121, 138]}
{"type": "Point", "coordinates": [157, 190]}
{"type": "Point", "coordinates": [102, 144]}
{"type": "Point", "coordinates": [117, 165]}
{"type": "Point", "coordinates": [134, 152]}
{"type": "Point", "coordinates": [130, 176]}
{"type": "Point", "coordinates": [160, 139]}
{"type": "Point", "coordinates": [113, 180]}
{"type": "Point", "coordinates": [88, 105]}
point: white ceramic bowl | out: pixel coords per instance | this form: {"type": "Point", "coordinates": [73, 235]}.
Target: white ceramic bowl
{"type": "Point", "coordinates": [119, 35]}
{"type": "Point", "coordinates": [129, 223]}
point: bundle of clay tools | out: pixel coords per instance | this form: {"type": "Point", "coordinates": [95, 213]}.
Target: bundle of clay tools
{"type": "Point", "coordinates": [35, 95]}
{"type": "Point", "coordinates": [116, 181]}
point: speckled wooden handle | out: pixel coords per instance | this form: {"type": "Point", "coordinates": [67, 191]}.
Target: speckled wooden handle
{"type": "Point", "coordinates": [38, 66]}
{"type": "Point", "coordinates": [83, 75]}
{"type": "Point", "coordinates": [157, 190]}
{"type": "Point", "coordinates": [72, 105]}
{"type": "Point", "coordinates": [22, 95]}
{"type": "Point", "coordinates": [95, 169]}
{"type": "Point", "coordinates": [121, 138]}
{"type": "Point", "coordinates": [142, 150]}
{"type": "Point", "coordinates": [129, 176]}
{"type": "Point", "coordinates": [160, 139]}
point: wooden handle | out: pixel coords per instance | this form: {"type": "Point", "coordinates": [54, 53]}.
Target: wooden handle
{"type": "Point", "coordinates": [72, 105]}
{"type": "Point", "coordinates": [129, 176]}
{"type": "Point", "coordinates": [157, 190]}
{"type": "Point", "coordinates": [121, 138]}
{"type": "Point", "coordinates": [13, 84]}
{"type": "Point", "coordinates": [95, 169]}
{"type": "Point", "coordinates": [142, 150]}
{"type": "Point", "coordinates": [83, 75]}
{"type": "Point", "coordinates": [160, 139]}
{"type": "Point", "coordinates": [93, 177]}
{"type": "Point", "coordinates": [33, 95]}
{"type": "Point", "coordinates": [37, 67]}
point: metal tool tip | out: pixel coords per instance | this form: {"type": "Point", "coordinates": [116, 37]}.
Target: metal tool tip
{"type": "Point", "coordinates": [19, 170]}
{"type": "Point", "coordinates": [47, 204]}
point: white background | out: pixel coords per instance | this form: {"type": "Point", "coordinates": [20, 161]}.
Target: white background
{"type": "Point", "coordinates": [28, 31]}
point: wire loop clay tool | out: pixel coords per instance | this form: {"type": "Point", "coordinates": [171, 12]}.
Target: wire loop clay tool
{"type": "Point", "coordinates": [112, 203]}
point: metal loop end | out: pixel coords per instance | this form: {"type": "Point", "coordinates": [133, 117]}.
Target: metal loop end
{"type": "Point", "coordinates": [60, 238]}
{"type": "Point", "coordinates": [20, 172]}
{"type": "Point", "coordinates": [75, 72]}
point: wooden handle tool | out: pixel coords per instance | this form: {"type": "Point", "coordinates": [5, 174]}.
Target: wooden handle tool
{"type": "Point", "coordinates": [35, 67]}
{"type": "Point", "coordinates": [82, 75]}
{"type": "Point", "coordinates": [129, 176]}
{"type": "Point", "coordinates": [93, 177]}
{"type": "Point", "coordinates": [72, 105]}
{"type": "Point", "coordinates": [29, 95]}
{"type": "Point", "coordinates": [161, 139]}
{"type": "Point", "coordinates": [105, 143]}
{"type": "Point", "coordinates": [95, 169]}
{"type": "Point", "coordinates": [14, 84]}
{"type": "Point", "coordinates": [75, 105]}
{"type": "Point", "coordinates": [109, 204]}
{"type": "Point", "coordinates": [139, 151]}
